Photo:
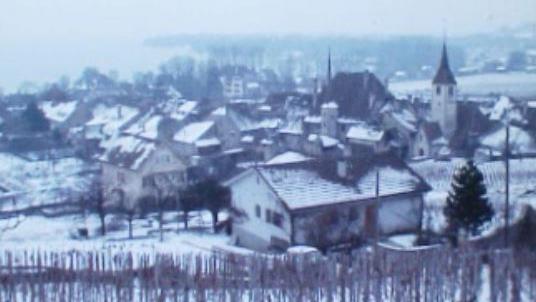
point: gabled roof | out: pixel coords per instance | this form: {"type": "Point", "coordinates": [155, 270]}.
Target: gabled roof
{"type": "Point", "coordinates": [287, 157]}
{"type": "Point", "coordinates": [363, 132]}
{"type": "Point", "coordinates": [444, 75]}
{"type": "Point", "coordinates": [314, 184]}
{"type": "Point", "coordinates": [193, 132]}
{"type": "Point", "coordinates": [128, 152]}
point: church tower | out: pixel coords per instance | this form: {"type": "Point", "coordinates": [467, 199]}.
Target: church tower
{"type": "Point", "coordinates": [444, 106]}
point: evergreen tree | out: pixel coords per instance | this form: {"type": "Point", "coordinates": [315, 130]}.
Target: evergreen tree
{"type": "Point", "coordinates": [34, 119]}
{"type": "Point", "coordinates": [467, 206]}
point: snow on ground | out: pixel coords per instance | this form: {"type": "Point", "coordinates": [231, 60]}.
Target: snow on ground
{"type": "Point", "coordinates": [60, 234]}
{"type": "Point", "coordinates": [41, 182]}
{"type": "Point", "coordinates": [516, 84]}
{"type": "Point", "coordinates": [58, 112]}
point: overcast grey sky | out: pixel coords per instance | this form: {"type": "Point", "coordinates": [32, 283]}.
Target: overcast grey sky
{"type": "Point", "coordinates": [87, 19]}
{"type": "Point", "coordinates": [44, 39]}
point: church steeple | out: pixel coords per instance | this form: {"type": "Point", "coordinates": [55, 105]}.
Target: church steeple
{"type": "Point", "coordinates": [444, 106]}
{"type": "Point", "coordinates": [329, 67]}
{"type": "Point", "coordinates": [444, 75]}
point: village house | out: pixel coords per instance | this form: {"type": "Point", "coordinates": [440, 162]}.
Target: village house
{"type": "Point", "coordinates": [283, 203]}
{"type": "Point", "coordinates": [127, 164]}
{"type": "Point", "coordinates": [197, 138]}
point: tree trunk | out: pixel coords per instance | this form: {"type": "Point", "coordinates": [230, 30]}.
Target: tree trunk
{"type": "Point", "coordinates": [130, 217]}
{"type": "Point", "coordinates": [161, 223]}
{"type": "Point", "coordinates": [185, 220]}
{"type": "Point", "coordinates": [214, 220]}
{"type": "Point", "coordinates": [102, 217]}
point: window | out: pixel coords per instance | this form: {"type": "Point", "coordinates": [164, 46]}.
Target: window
{"type": "Point", "coordinates": [451, 91]}
{"type": "Point", "coordinates": [258, 211]}
{"type": "Point", "coordinates": [438, 90]}
{"type": "Point", "coordinates": [268, 215]}
{"type": "Point", "coordinates": [277, 219]}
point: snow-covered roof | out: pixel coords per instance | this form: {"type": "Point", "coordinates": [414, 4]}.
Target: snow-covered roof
{"type": "Point", "coordinates": [207, 142]}
{"type": "Point", "coordinates": [287, 157]}
{"type": "Point", "coordinates": [330, 105]}
{"type": "Point", "coordinates": [219, 111]}
{"type": "Point", "coordinates": [247, 139]}
{"type": "Point", "coordinates": [127, 151]}
{"type": "Point", "coordinates": [58, 112]}
{"type": "Point", "coordinates": [531, 104]}
{"type": "Point", "coordinates": [406, 119]}
{"type": "Point", "coordinates": [301, 187]}
{"type": "Point", "coordinates": [521, 141]}
{"type": "Point", "coordinates": [364, 133]}
{"type": "Point", "coordinates": [146, 127]}
{"type": "Point", "coordinates": [184, 110]}
{"type": "Point", "coordinates": [265, 108]}
{"type": "Point", "coordinates": [313, 119]}
{"type": "Point", "coordinates": [499, 110]}
{"type": "Point", "coordinates": [112, 117]}
{"type": "Point", "coordinates": [292, 127]}
{"type": "Point", "coordinates": [269, 123]}
{"type": "Point", "coordinates": [192, 132]}
{"type": "Point", "coordinates": [326, 141]}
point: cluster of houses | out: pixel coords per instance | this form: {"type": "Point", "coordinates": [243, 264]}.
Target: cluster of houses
{"type": "Point", "coordinates": [320, 168]}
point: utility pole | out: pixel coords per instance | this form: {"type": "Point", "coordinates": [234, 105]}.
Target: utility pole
{"type": "Point", "coordinates": [376, 210]}
{"type": "Point", "coordinates": [507, 182]}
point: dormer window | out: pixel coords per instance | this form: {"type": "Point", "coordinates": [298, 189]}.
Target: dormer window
{"type": "Point", "coordinates": [438, 90]}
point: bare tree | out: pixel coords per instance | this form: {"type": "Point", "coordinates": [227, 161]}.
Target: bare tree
{"type": "Point", "coordinates": [97, 202]}
{"type": "Point", "coordinates": [164, 187]}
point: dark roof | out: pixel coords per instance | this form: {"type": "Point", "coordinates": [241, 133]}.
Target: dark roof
{"type": "Point", "coordinates": [352, 93]}
{"type": "Point", "coordinates": [432, 130]}
{"type": "Point", "coordinates": [444, 74]}
{"type": "Point", "coordinates": [471, 123]}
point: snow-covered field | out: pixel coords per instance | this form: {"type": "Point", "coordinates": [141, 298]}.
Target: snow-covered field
{"type": "Point", "coordinates": [439, 174]}
{"type": "Point", "coordinates": [41, 182]}
{"type": "Point", "coordinates": [515, 84]}
{"type": "Point", "coordinates": [61, 234]}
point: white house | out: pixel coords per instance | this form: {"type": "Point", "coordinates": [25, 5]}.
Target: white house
{"type": "Point", "coordinates": [324, 203]}
{"type": "Point", "coordinates": [127, 163]}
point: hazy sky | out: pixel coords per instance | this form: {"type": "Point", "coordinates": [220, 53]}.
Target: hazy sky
{"type": "Point", "coordinates": [52, 19]}
{"type": "Point", "coordinates": [44, 39]}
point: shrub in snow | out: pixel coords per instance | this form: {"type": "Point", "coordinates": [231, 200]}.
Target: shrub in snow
{"type": "Point", "coordinates": [467, 207]}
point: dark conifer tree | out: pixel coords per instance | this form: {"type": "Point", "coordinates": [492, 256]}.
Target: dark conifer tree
{"type": "Point", "coordinates": [35, 119]}
{"type": "Point", "coordinates": [467, 206]}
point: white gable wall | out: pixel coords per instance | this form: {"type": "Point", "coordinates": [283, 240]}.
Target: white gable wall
{"type": "Point", "coordinates": [255, 232]}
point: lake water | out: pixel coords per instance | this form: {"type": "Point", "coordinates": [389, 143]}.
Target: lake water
{"type": "Point", "coordinates": [42, 62]}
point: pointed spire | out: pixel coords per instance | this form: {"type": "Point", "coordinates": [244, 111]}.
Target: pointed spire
{"type": "Point", "coordinates": [444, 75]}
{"type": "Point", "coordinates": [329, 66]}
{"type": "Point", "coordinates": [328, 79]}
